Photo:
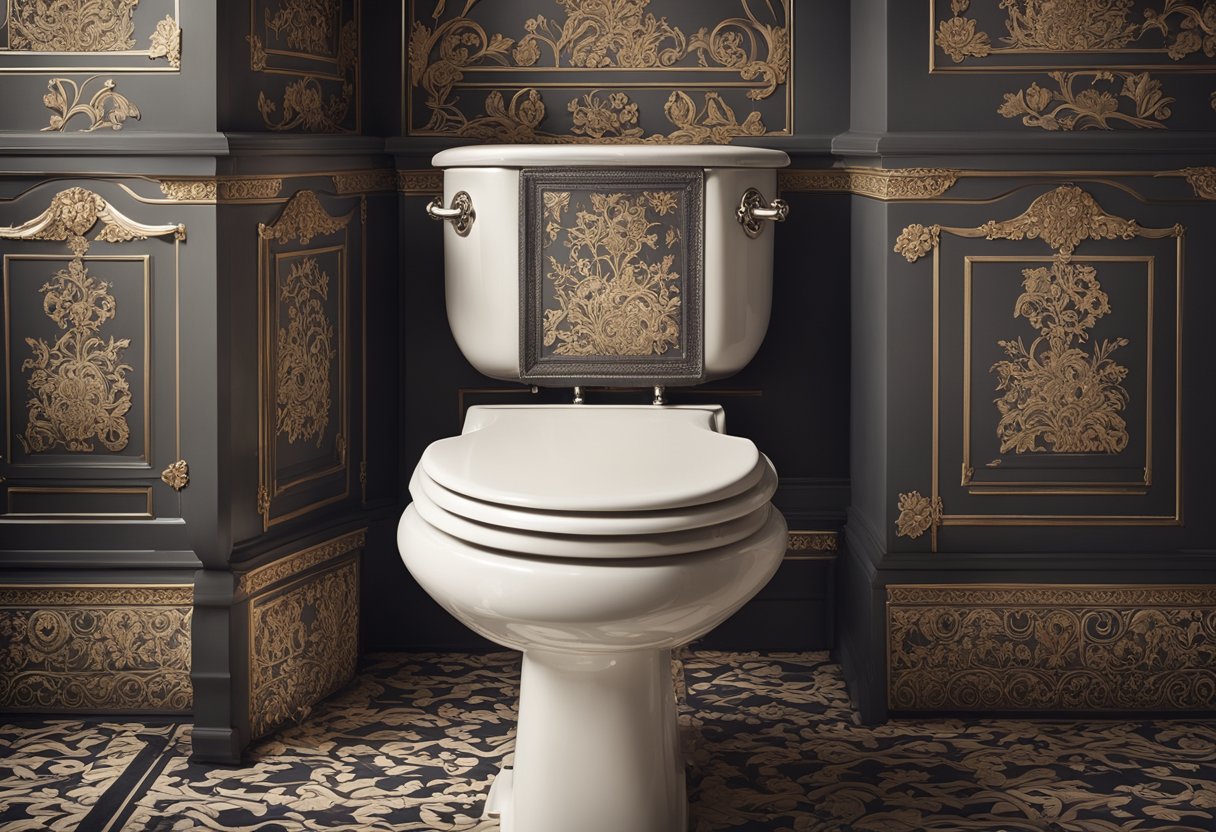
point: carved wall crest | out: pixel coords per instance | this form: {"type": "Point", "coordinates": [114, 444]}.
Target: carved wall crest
{"type": "Point", "coordinates": [917, 514]}
{"type": "Point", "coordinates": [302, 219]}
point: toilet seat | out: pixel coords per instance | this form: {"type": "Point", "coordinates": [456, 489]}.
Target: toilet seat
{"type": "Point", "coordinates": [595, 458]}
{"type": "Point", "coordinates": [715, 489]}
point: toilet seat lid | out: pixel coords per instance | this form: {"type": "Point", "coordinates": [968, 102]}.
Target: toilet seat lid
{"type": "Point", "coordinates": [595, 458]}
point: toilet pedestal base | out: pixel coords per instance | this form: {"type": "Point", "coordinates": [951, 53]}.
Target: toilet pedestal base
{"type": "Point", "coordinates": [597, 748]}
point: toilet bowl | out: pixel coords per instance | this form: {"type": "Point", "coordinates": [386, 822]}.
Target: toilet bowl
{"type": "Point", "coordinates": [557, 560]}
{"type": "Point", "coordinates": [596, 538]}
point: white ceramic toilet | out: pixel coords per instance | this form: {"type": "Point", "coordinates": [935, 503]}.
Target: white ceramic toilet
{"type": "Point", "coordinates": [596, 538]}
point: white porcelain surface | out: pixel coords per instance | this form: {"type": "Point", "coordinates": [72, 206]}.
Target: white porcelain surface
{"type": "Point", "coordinates": [601, 523]}
{"type": "Point", "coordinates": [481, 269]}
{"type": "Point", "coordinates": [608, 155]}
{"type": "Point", "coordinates": [595, 459]}
{"type": "Point", "coordinates": [589, 606]}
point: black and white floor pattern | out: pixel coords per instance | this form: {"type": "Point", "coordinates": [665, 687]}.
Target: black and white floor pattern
{"type": "Point", "coordinates": [771, 741]}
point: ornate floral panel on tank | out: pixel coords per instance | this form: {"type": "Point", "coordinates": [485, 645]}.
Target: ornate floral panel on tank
{"type": "Point", "coordinates": [612, 277]}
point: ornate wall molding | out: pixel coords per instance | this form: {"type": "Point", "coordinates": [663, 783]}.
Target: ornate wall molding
{"type": "Point", "coordinates": [302, 219]}
{"type": "Point", "coordinates": [420, 182]}
{"type": "Point", "coordinates": [109, 29]}
{"type": "Point", "coordinates": [292, 565]}
{"type": "Point", "coordinates": [365, 181]}
{"type": "Point", "coordinates": [303, 645]}
{"type": "Point", "coordinates": [877, 183]}
{"type": "Point", "coordinates": [1058, 394]}
{"type": "Point", "coordinates": [1202, 180]}
{"type": "Point", "coordinates": [585, 39]}
{"type": "Point", "coordinates": [177, 475]}
{"type": "Point", "coordinates": [249, 190]}
{"type": "Point", "coordinates": [812, 541]}
{"type": "Point", "coordinates": [79, 394]}
{"type": "Point", "coordinates": [189, 190]}
{"type": "Point", "coordinates": [1051, 648]}
{"type": "Point", "coordinates": [1130, 98]}
{"type": "Point", "coordinates": [95, 648]}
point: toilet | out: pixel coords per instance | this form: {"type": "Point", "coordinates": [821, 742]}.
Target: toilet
{"type": "Point", "coordinates": [596, 538]}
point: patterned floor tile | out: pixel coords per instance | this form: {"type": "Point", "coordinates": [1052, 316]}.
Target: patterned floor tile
{"type": "Point", "coordinates": [772, 743]}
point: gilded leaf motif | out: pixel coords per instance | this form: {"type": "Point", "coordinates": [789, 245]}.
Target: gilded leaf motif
{"type": "Point", "coordinates": [105, 108]}
{"type": "Point", "coordinates": [917, 514]}
{"type": "Point", "coordinates": [304, 390]}
{"type": "Point", "coordinates": [1091, 107]}
{"type": "Point", "coordinates": [610, 298]}
{"type": "Point", "coordinates": [306, 25]}
{"type": "Point", "coordinates": [1057, 395]}
{"type": "Point", "coordinates": [78, 385]}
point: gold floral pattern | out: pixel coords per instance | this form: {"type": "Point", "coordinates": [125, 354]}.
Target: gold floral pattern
{"type": "Point", "coordinates": [303, 218]}
{"type": "Point", "coordinates": [917, 240]}
{"type": "Point", "coordinates": [304, 645]}
{"type": "Point", "coordinates": [1087, 648]}
{"type": "Point", "coordinates": [1064, 108]}
{"type": "Point", "coordinates": [176, 475]}
{"type": "Point", "coordinates": [1202, 181]}
{"type": "Point", "coordinates": [609, 299]}
{"type": "Point", "coordinates": [771, 741]}
{"type": "Point", "coordinates": [72, 25]}
{"type": "Point", "coordinates": [595, 34]}
{"type": "Point", "coordinates": [106, 653]}
{"type": "Point", "coordinates": [917, 514]}
{"type": "Point", "coordinates": [305, 354]}
{"type": "Point", "coordinates": [1062, 218]}
{"type": "Point", "coordinates": [1054, 391]}
{"type": "Point", "coordinates": [306, 25]}
{"type": "Point", "coordinates": [1079, 26]}
{"type": "Point", "coordinates": [78, 384]}
{"type": "Point", "coordinates": [166, 42]}
{"type": "Point", "coordinates": [106, 108]}
{"type": "Point", "coordinates": [290, 566]}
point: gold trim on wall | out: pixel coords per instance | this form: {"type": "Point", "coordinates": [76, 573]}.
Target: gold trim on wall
{"type": "Point", "coordinates": [296, 563]}
{"type": "Point", "coordinates": [364, 181]}
{"type": "Point", "coordinates": [1062, 218]}
{"type": "Point", "coordinates": [98, 647]}
{"type": "Point", "coordinates": [420, 182]}
{"type": "Point", "coordinates": [887, 184]}
{"type": "Point", "coordinates": [1202, 180]}
{"type": "Point", "coordinates": [812, 545]}
{"type": "Point", "coordinates": [1024, 647]}
{"type": "Point", "coordinates": [145, 492]}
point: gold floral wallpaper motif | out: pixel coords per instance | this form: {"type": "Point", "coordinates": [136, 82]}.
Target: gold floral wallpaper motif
{"type": "Point", "coordinates": [72, 25]}
{"type": "Point", "coordinates": [95, 649]}
{"type": "Point", "coordinates": [306, 352]}
{"type": "Point", "coordinates": [79, 393]}
{"type": "Point", "coordinates": [1140, 102]}
{"type": "Point", "coordinates": [316, 42]}
{"type": "Point", "coordinates": [1177, 29]}
{"type": "Point", "coordinates": [611, 296]}
{"type": "Point", "coordinates": [917, 514]}
{"type": "Point", "coordinates": [591, 39]}
{"type": "Point", "coordinates": [304, 645]}
{"type": "Point", "coordinates": [1028, 648]}
{"type": "Point", "coordinates": [289, 566]}
{"type": "Point", "coordinates": [1058, 394]}
{"type": "Point", "coordinates": [106, 108]}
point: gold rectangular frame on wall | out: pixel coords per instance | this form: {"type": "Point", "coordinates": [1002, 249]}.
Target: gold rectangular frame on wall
{"type": "Point", "coordinates": [303, 221]}
{"type": "Point", "coordinates": [945, 519]}
{"type": "Point", "coordinates": [157, 25]}
{"type": "Point", "coordinates": [516, 78]}
{"type": "Point", "coordinates": [1011, 487]}
{"type": "Point", "coordinates": [142, 496]}
{"type": "Point", "coordinates": [144, 459]}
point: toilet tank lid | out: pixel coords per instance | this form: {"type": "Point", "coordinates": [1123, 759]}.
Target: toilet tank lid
{"type": "Point", "coordinates": [609, 155]}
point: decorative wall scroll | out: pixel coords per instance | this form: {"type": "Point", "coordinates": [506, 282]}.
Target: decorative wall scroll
{"type": "Point", "coordinates": [77, 380]}
{"type": "Point", "coordinates": [1105, 99]}
{"type": "Point", "coordinates": [91, 36]}
{"type": "Point", "coordinates": [304, 357]}
{"type": "Point", "coordinates": [104, 648]}
{"type": "Point", "coordinates": [316, 43]}
{"type": "Point", "coordinates": [304, 644]}
{"type": "Point", "coordinates": [612, 277]}
{"type": "Point", "coordinates": [568, 73]}
{"type": "Point", "coordinates": [1051, 648]}
{"type": "Point", "coordinates": [802, 542]}
{"type": "Point", "coordinates": [1058, 420]}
